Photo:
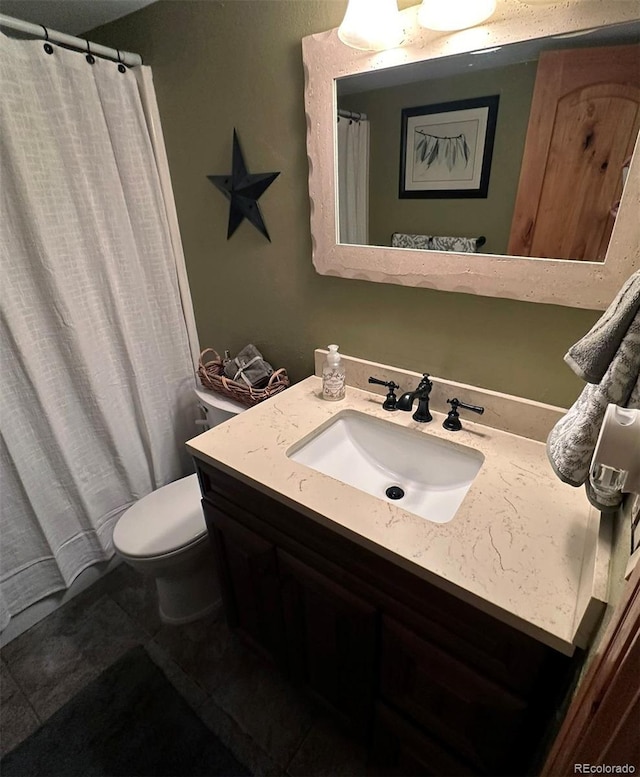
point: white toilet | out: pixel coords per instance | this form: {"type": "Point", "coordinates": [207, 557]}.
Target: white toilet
{"type": "Point", "coordinates": [165, 535]}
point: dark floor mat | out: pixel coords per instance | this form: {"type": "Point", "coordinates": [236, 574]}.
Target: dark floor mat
{"type": "Point", "coordinates": [129, 722]}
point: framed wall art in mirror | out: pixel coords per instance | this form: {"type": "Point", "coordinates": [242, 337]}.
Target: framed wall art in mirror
{"type": "Point", "coordinates": [378, 84]}
{"type": "Point", "coordinates": [446, 148]}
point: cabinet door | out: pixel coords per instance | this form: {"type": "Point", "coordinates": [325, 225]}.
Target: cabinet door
{"type": "Point", "coordinates": [248, 571]}
{"type": "Point", "coordinates": [476, 718]}
{"type": "Point", "coordinates": [398, 748]}
{"type": "Point", "coordinates": [331, 637]}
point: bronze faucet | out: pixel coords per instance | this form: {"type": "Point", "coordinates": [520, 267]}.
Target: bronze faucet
{"type": "Point", "coordinates": [422, 414]}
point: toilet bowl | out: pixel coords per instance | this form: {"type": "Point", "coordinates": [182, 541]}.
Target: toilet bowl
{"type": "Point", "coordinates": [164, 535]}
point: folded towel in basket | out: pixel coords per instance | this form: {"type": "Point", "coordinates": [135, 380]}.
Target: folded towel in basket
{"type": "Point", "coordinates": [249, 367]}
{"type": "Point", "coordinates": [608, 356]}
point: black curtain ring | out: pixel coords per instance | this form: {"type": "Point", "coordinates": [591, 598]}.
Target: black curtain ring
{"type": "Point", "coordinates": [90, 58]}
{"type": "Point", "coordinates": [121, 66]}
{"type": "Point", "coordinates": [47, 46]}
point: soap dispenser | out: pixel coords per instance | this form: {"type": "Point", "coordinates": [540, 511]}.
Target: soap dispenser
{"type": "Point", "coordinates": [333, 378]}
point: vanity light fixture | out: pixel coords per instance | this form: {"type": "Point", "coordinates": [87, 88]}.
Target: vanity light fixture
{"type": "Point", "coordinates": [371, 25]}
{"type": "Point", "coordinates": [448, 15]}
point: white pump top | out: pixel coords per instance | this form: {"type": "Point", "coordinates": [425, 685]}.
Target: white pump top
{"type": "Point", "coordinates": [333, 357]}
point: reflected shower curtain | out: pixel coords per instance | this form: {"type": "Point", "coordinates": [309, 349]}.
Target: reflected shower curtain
{"type": "Point", "coordinates": [353, 180]}
{"type": "Point", "coordinates": [97, 376]}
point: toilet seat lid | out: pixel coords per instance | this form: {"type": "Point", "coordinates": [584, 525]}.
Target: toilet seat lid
{"type": "Point", "coordinates": [163, 521]}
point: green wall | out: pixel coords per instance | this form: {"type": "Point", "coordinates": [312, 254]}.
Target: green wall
{"type": "Point", "coordinates": [221, 64]}
{"type": "Point", "coordinates": [469, 217]}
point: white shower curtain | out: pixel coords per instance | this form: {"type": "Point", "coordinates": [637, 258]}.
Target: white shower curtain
{"type": "Point", "coordinates": [353, 180]}
{"type": "Point", "coordinates": [97, 372]}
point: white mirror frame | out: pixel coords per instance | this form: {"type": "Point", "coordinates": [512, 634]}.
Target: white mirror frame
{"type": "Point", "coordinates": [590, 285]}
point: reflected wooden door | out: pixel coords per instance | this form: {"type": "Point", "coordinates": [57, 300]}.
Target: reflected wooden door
{"type": "Point", "coordinates": [584, 121]}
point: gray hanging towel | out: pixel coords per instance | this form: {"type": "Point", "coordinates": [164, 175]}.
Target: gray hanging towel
{"type": "Point", "coordinates": [249, 367]}
{"type": "Point", "coordinates": [608, 357]}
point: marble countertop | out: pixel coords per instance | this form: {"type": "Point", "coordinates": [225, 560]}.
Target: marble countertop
{"type": "Point", "coordinates": [516, 547]}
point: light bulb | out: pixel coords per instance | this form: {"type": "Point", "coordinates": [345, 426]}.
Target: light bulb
{"type": "Point", "coordinates": [447, 15]}
{"type": "Point", "coordinates": [371, 25]}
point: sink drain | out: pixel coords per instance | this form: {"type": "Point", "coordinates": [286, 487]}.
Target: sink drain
{"type": "Point", "coordinates": [394, 492]}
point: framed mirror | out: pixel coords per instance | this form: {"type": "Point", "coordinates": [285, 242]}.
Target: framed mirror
{"type": "Point", "coordinates": [509, 249]}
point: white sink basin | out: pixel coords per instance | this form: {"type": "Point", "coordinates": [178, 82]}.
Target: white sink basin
{"type": "Point", "coordinates": [374, 456]}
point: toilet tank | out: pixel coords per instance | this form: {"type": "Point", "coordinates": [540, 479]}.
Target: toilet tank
{"type": "Point", "coordinates": [217, 408]}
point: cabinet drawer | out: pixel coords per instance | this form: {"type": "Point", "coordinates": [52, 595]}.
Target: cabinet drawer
{"type": "Point", "coordinates": [401, 750]}
{"type": "Point", "coordinates": [476, 718]}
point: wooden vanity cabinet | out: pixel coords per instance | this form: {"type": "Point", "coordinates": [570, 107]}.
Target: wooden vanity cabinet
{"type": "Point", "coordinates": [433, 685]}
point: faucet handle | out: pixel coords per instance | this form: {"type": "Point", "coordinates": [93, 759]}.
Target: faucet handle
{"type": "Point", "coordinates": [390, 402]}
{"type": "Point", "coordinates": [452, 421]}
{"type": "Point", "coordinates": [457, 403]}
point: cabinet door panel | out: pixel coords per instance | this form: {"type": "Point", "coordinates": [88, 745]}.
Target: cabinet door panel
{"type": "Point", "coordinates": [475, 717]}
{"type": "Point", "coordinates": [398, 748]}
{"type": "Point", "coordinates": [248, 570]}
{"type": "Point", "coordinates": [331, 640]}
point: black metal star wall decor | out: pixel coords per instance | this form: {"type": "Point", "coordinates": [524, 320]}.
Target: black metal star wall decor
{"type": "Point", "coordinates": [243, 190]}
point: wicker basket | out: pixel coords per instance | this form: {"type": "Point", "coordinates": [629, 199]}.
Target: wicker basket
{"type": "Point", "coordinates": [212, 377]}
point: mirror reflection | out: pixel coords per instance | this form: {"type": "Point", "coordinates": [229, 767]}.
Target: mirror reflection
{"type": "Point", "coordinates": [412, 141]}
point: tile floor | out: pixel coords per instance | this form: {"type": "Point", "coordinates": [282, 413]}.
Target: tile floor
{"type": "Point", "coordinates": [268, 724]}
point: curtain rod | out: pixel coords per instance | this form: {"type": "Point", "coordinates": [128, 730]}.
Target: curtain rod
{"type": "Point", "coordinates": [70, 41]}
{"type": "Point", "coordinates": [352, 115]}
